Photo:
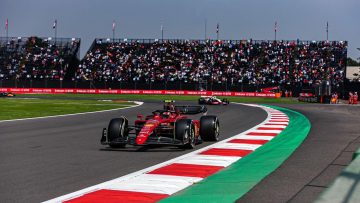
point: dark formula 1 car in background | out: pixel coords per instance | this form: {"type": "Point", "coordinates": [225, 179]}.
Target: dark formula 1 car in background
{"type": "Point", "coordinates": [6, 94]}
{"type": "Point", "coordinates": [163, 127]}
{"type": "Point", "coordinates": [212, 100]}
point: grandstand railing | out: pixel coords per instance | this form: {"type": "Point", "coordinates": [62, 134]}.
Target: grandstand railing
{"type": "Point", "coordinates": [202, 41]}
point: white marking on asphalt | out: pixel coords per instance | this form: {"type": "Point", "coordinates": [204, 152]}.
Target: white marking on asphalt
{"type": "Point", "coordinates": [253, 137]}
{"type": "Point", "coordinates": [273, 126]}
{"type": "Point", "coordinates": [238, 146]}
{"type": "Point", "coordinates": [277, 122]}
{"type": "Point", "coordinates": [153, 183]}
{"type": "Point", "coordinates": [266, 131]}
{"type": "Point", "coordinates": [209, 160]}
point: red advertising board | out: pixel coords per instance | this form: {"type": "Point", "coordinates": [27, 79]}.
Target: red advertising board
{"type": "Point", "coordinates": [125, 91]}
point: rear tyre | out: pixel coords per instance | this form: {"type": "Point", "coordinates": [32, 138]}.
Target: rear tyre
{"type": "Point", "coordinates": [118, 131]}
{"type": "Point", "coordinates": [209, 128]}
{"type": "Point", "coordinates": [201, 101]}
{"type": "Point", "coordinates": [226, 101]}
{"type": "Point", "coordinates": [185, 132]}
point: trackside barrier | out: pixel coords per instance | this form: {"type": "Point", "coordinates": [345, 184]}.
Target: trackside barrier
{"type": "Point", "coordinates": [145, 92]}
{"type": "Point", "coordinates": [346, 187]}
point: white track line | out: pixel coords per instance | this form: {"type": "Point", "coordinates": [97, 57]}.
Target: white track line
{"type": "Point", "coordinates": [238, 146]}
{"type": "Point", "coordinates": [163, 184]}
{"type": "Point", "coordinates": [253, 137]}
{"type": "Point", "coordinates": [209, 160]}
{"type": "Point", "coordinates": [129, 181]}
{"type": "Point", "coordinates": [74, 114]}
{"type": "Point", "coordinates": [273, 126]}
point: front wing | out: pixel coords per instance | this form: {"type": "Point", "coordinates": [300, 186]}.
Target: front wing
{"type": "Point", "coordinates": [164, 136]}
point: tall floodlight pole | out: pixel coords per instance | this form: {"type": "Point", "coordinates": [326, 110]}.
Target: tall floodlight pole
{"type": "Point", "coordinates": [55, 29]}
{"type": "Point", "coordinates": [275, 29]}
{"type": "Point", "coordinates": [162, 32]}
{"type": "Point", "coordinates": [327, 31]}
{"type": "Point", "coordinates": [217, 31]}
{"type": "Point", "coordinates": [113, 30]}
{"type": "Point", "coordinates": [205, 29]}
{"type": "Point", "coordinates": [7, 30]}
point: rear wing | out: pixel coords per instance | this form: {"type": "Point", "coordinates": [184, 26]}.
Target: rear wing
{"type": "Point", "coordinates": [185, 109]}
{"type": "Point", "coordinates": [191, 109]}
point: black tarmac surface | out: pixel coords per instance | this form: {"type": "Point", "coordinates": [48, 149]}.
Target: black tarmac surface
{"type": "Point", "coordinates": [45, 158]}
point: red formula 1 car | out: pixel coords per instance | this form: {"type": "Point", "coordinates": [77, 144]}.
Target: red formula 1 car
{"type": "Point", "coordinates": [212, 100]}
{"type": "Point", "coordinates": [163, 127]}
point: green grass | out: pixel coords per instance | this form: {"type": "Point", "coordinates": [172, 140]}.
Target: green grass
{"type": "Point", "coordinates": [161, 97]}
{"type": "Point", "coordinates": [59, 104]}
{"type": "Point", "coordinates": [16, 108]}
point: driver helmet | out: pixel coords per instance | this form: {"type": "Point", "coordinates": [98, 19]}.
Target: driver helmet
{"type": "Point", "coordinates": [166, 114]}
{"type": "Point", "coordinates": [171, 107]}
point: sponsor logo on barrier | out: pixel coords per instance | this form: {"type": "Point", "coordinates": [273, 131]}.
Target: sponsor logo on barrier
{"type": "Point", "coordinates": [59, 91]}
{"type": "Point", "coordinates": [170, 92]}
{"type": "Point", "coordinates": [130, 92]}
{"type": "Point", "coordinates": [152, 92]}
{"type": "Point", "coordinates": [180, 92]}
{"type": "Point", "coordinates": [159, 92]}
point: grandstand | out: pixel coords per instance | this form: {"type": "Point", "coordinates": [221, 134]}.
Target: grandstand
{"type": "Point", "coordinates": [238, 65]}
{"type": "Point", "coordinates": [225, 65]}
{"type": "Point", "coordinates": [29, 60]}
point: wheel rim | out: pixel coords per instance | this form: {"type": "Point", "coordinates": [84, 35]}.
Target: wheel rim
{"type": "Point", "coordinates": [217, 130]}
{"type": "Point", "coordinates": [192, 141]}
{"type": "Point", "coordinates": [186, 135]}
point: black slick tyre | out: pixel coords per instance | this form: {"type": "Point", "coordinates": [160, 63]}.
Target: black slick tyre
{"type": "Point", "coordinates": [209, 128]}
{"type": "Point", "coordinates": [185, 132]}
{"type": "Point", "coordinates": [117, 130]}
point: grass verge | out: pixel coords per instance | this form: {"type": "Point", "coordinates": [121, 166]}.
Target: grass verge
{"type": "Point", "coordinates": [17, 108]}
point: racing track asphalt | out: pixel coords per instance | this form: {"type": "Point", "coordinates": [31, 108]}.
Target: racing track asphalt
{"type": "Point", "coordinates": [45, 158]}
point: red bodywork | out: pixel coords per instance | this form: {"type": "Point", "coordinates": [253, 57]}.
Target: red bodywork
{"type": "Point", "coordinates": [159, 123]}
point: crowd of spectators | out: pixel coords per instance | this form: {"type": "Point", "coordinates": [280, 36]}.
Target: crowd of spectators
{"type": "Point", "coordinates": [36, 58]}
{"type": "Point", "coordinates": [265, 63]}
{"type": "Point", "coordinates": [246, 61]}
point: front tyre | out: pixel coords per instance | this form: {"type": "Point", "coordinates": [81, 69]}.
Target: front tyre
{"type": "Point", "coordinates": [209, 128]}
{"type": "Point", "coordinates": [118, 132]}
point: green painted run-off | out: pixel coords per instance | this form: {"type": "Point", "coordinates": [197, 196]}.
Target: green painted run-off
{"type": "Point", "coordinates": [233, 182]}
